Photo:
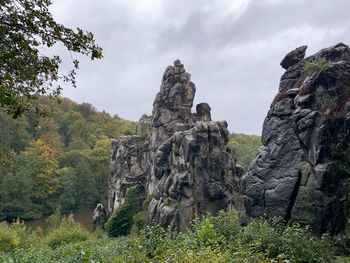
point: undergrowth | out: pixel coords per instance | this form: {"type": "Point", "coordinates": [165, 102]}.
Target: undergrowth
{"type": "Point", "coordinates": [211, 239]}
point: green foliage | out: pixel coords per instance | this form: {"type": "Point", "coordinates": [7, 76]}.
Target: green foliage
{"type": "Point", "coordinates": [61, 160]}
{"type": "Point", "coordinates": [274, 239]}
{"type": "Point", "coordinates": [16, 235]}
{"type": "Point", "coordinates": [16, 197]}
{"type": "Point", "coordinates": [227, 225]}
{"type": "Point", "coordinates": [68, 232]}
{"type": "Point", "coordinates": [244, 147]}
{"type": "Point", "coordinates": [206, 235]}
{"type": "Point", "coordinates": [121, 221]}
{"type": "Point", "coordinates": [55, 219]}
{"type": "Point", "coordinates": [26, 29]}
{"type": "Point", "coordinates": [217, 239]}
{"type": "Point", "coordinates": [8, 238]}
{"type": "Point", "coordinates": [316, 65]}
{"type": "Point", "coordinates": [139, 219]}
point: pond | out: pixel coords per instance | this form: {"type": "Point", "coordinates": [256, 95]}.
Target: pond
{"type": "Point", "coordinates": [82, 217]}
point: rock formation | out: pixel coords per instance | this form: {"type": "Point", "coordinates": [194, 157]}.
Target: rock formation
{"type": "Point", "coordinates": [178, 158]}
{"type": "Point", "coordinates": [99, 217]}
{"type": "Point", "coordinates": [301, 172]}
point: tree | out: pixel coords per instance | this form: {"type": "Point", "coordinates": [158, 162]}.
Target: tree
{"type": "Point", "coordinates": [39, 162]}
{"type": "Point", "coordinates": [99, 163]}
{"type": "Point", "coordinates": [15, 196]}
{"type": "Point", "coordinates": [244, 147]}
{"type": "Point", "coordinates": [70, 184]}
{"type": "Point", "coordinates": [26, 28]}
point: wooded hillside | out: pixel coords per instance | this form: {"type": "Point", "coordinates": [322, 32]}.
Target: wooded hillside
{"type": "Point", "coordinates": [56, 161]}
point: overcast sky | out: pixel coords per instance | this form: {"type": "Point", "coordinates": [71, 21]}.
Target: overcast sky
{"type": "Point", "coordinates": [232, 48]}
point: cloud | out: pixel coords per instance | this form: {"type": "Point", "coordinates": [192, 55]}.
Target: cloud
{"type": "Point", "coordinates": [231, 48]}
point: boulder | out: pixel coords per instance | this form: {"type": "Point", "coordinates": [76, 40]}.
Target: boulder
{"type": "Point", "coordinates": [293, 57]}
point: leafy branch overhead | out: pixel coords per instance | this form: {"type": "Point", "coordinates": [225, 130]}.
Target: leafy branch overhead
{"type": "Point", "coordinates": [27, 27]}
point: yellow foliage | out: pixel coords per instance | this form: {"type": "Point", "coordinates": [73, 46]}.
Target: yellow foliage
{"type": "Point", "coordinates": [43, 162]}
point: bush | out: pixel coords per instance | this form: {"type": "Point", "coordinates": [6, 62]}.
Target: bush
{"type": "Point", "coordinates": [139, 219]}
{"type": "Point", "coordinates": [8, 238]}
{"type": "Point", "coordinates": [212, 239]}
{"type": "Point", "coordinates": [315, 65]}
{"type": "Point", "coordinates": [16, 235]}
{"type": "Point", "coordinates": [121, 221]}
{"type": "Point", "coordinates": [68, 232]}
{"type": "Point", "coordinates": [275, 240]}
{"type": "Point", "coordinates": [260, 236]}
{"type": "Point", "coordinates": [206, 235]}
{"type": "Point", "coordinates": [227, 225]}
{"type": "Point", "coordinates": [299, 245]}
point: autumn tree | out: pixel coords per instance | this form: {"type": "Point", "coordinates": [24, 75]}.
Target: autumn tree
{"type": "Point", "coordinates": [39, 162]}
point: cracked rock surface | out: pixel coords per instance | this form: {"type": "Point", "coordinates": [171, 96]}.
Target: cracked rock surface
{"type": "Point", "coordinates": [179, 158]}
{"type": "Point", "coordinates": [301, 172]}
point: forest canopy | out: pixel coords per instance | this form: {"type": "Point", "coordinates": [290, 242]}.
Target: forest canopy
{"type": "Point", "coordinates": [56, 161]}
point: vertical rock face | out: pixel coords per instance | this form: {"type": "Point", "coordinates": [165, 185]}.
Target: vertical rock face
{"type": "Point", "coordinates": [302, 171]}
{"type": "Point", "coordinates": [129, 167]}
{"type": "Point", "coordinates": [173, 103]}
{"type": "Point", "coordinates": [181, 162]}
{"type": "Point", "coordinates": [193, 175]}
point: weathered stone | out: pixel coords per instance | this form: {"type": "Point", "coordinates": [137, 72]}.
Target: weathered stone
{"type": "Point", "coordinates": [183, 165]}
{"type": "Point", "coordinates": [293, 57]}
{"type": "Point", "coordinates": [300, 172]}
{"type": "Point", "coordinates": [99, 217]}
{"type": "Point", "coordinates": [194, 176]}
{"type": "Point", "coordinates": [203, 112]}
{"type": "Point", "coordinates": [144, 125]}
{"type": "Point", "coordinates": [173, 103]}
{"type": "Point", "coordinates": [129, 167]}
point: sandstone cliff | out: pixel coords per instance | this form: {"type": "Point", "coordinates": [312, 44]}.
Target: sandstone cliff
{"type": "Point", "coordinates": [179, 158]}
{"type": "Point", "coordinates": [302, 171]}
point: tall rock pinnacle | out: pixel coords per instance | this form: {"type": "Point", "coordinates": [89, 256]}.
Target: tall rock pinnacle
{"type": "Point", "coordinates": [179, 160]}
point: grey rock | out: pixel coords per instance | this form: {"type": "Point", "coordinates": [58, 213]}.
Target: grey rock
{"type": "Point", "coordinates": [347, 106]}
{"type": "Point", "coordinates": [293, 57]}
{"type": "Point", "coordinates": [193, 176]}
{"type": "Point", "coordinates": [144, 125]}
{"type": "Point", "coordinates": [203, 112]}
{"type": "Point", "coordinates": [129, 167]}
{"type": "Point", "coordinates": [300, 172]}
{"type": "Point", "coordinates": [99, 217]}
{"type": "Point", "coordinates": [183, 163]}
{"type": "Point", "coordinates": [293, 92]}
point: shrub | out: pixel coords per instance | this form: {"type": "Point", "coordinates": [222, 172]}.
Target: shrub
{"type": "Point", "coordinates": [275, 240]}
{"type": "Point", "coordinates": [299, 245]}
{"type": "Point", "coordinates": [16, 235]}
{"type": "Point", "coordinates": [315, 65]}
{"type": "Point", "coordinates": [68, 232]}
{"type": "Point", "coordinates": [8, 238]}
{"type": "Point", "coordinates": [139, 219]}
{"type": "Point", "coordinates": [206, 235]}
{"type": "Point", "coordinates": [259, 236]}
{"type": "Point", "coordinates": [121, 221]}
{"type": "Point", "coordinates": [227, 225]}
{"type": "Point", "coordinates": [55, 219]}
